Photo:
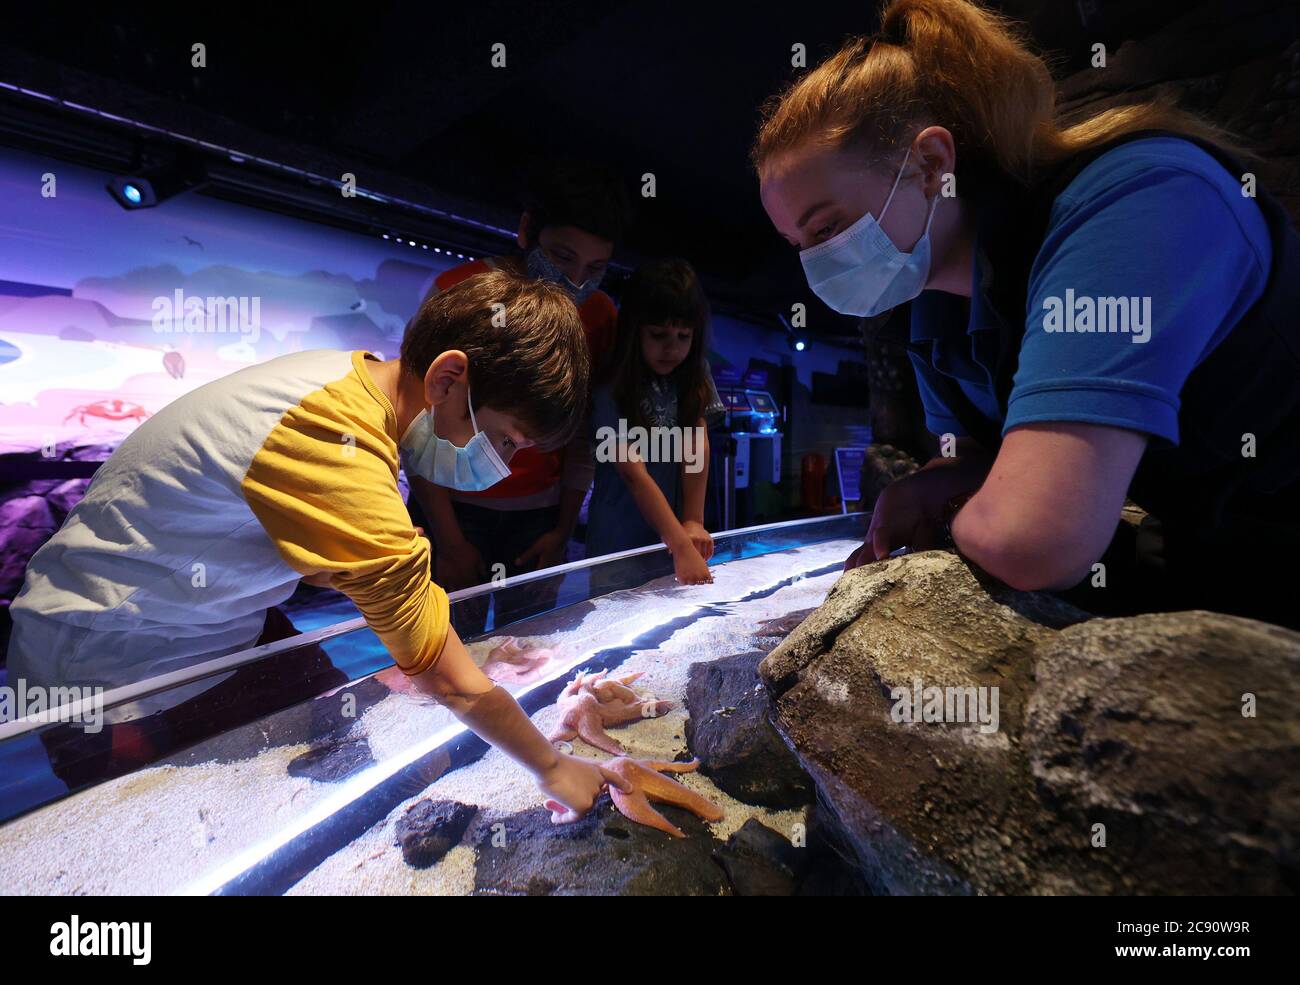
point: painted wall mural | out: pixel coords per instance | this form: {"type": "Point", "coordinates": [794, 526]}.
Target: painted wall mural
{"type": "Point", "coordinates": [107, 314]}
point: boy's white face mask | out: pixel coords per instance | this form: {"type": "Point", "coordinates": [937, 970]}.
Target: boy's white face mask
{"type": "Point", "coordinates": [473, 468]}
{"type": "Point", "coordinates": [861, 272]}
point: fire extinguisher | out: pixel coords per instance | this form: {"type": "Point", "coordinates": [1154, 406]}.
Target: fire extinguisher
{"type": "Point", "coordinates": [813, 480]}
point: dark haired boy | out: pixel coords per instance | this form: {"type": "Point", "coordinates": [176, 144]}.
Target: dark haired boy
{"type": "Point", "coordinates": [572, 217]}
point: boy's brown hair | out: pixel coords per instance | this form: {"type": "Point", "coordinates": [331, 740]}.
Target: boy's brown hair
{"type": "Point", "coordinates": [526, 348]}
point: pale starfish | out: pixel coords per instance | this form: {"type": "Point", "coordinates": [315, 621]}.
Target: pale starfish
{"type": "Point", "coordinates": [648, 785]}
{"type": "Point", "coordinates": [590, 702]}
{"type": "Point", "coordinates": [510, 663]}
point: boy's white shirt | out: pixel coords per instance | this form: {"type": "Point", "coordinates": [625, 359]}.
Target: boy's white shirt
{"type": "Point", "coordinates": [210, 512]}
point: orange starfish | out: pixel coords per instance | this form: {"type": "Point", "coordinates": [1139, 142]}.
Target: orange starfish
{"type": "Point", "coordinates": [647, 785]}
{"type": "Point", "coordinates": [511, 663]}
{"type": "Point", "coordinates": [590, 702]}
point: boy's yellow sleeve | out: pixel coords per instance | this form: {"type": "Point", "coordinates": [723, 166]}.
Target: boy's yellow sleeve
{"type": "Point", "coordinates": [324, 486]}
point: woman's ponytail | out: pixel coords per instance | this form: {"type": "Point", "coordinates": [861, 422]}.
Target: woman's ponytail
{"type": "Point", "coordinates": [956, 64]}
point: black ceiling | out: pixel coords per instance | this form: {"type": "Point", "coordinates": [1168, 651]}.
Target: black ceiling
{"type": "Point", "coordinates": [668, 88]}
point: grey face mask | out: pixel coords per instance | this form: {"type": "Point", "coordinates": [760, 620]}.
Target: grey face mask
{"type": "Point", "coordinates": [861, 272]}
{"type": "Point", "coordinates": [541, 267]}
{"type": "Point", "coordinates": [470, 468]}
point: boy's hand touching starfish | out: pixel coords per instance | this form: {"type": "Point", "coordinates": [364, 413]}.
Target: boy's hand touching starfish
{"type": "Point", "coordinates": [635, 783]}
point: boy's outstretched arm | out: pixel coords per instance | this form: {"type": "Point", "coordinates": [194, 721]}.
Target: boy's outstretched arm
{"type": "Point", "coordinates": [330, 504]}
{"type": "Point", "coordinates": [494, 716]}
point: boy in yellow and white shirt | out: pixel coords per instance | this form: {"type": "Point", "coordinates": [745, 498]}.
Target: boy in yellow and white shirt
{"type": "Point", "coordinates": [212, 510]}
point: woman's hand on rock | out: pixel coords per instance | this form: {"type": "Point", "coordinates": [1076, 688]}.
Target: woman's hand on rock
{"type": "Point", "coordinates": [909, 511]}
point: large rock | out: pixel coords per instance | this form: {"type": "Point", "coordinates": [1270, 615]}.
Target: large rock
{"type": "Point", "coordinates": [729, 730]}
{"type": "Point", "coordinates": [762, 862]}
{"type": "Point", "coordinates": [1178, 732]}
{"type": "Point", "coordinates": [1121, 761]}
{"type": "Point", "coordinates": [603, 854]}
{"type": "Point", "coordinates": [883, 465]}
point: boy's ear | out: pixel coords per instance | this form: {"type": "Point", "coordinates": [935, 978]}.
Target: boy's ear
{"type": "Point", "coordinates": [447, 369]}
{"type": "Point", "coordinates": [525, 229]}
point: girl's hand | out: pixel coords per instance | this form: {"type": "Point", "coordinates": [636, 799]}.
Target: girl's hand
{"type": "Point", "coordinates": [699, 538]}
{"type": "Point", "coordinates": [689, 566]}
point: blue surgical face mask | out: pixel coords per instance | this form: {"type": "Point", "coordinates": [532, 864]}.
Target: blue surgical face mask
{"type": "Point", "coordinates": [473, 468]}
{"type": "Point", "coordinates": [861, 272]}
{"type": "Point", "coordinates": [541, 267]}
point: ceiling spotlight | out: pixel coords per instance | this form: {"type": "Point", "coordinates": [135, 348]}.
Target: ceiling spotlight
{"type": "Point", "coordinates": [153, 185]}
{"type": "Point", "coordinates": [133, 193]}
{"type": "Point", "coordinates": [795, 343]}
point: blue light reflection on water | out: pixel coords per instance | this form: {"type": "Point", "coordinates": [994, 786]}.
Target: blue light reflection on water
{"type": "Point", "coordinates": [360, 653]}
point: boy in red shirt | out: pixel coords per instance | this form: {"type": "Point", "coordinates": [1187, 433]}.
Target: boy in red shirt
{"type": "Point", "coordinates": [573, 215]}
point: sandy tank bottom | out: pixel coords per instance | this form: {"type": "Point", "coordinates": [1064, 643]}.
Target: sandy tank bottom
{"type": "Point", "coordinates": [170, 829]}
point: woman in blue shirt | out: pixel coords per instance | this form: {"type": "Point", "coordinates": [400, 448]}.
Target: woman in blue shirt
{"type": "Point", "coordinates": [1103, 310]}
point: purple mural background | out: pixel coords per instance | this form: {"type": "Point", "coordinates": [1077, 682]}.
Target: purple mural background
{"type": "Point", "coordinates": [95, 338]}
{"type": "Point", "coordinates": [92, 339]}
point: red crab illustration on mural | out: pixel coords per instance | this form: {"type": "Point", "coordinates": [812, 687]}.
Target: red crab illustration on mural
{"type": "Point", "coordinates": [109, 410]}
